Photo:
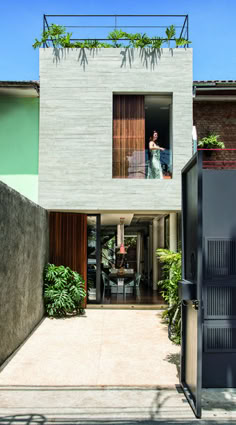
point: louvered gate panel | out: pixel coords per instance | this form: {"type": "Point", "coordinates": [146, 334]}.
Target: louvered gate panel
{"type": "Point", "coordinates": [220, 258]}
{"type": "Point", "coordinates": [220, 338]}
{"type": "Point", "coordinates": [219, 278]}
{"type": "Point", "coordinates": [220, 302]}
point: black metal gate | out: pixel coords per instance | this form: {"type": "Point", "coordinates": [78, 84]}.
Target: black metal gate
{"type": "Point", "coordinates": [208, 288]}
{"type": "Point", "coordinates": [191, 285]}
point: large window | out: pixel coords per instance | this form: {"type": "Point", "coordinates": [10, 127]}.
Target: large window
{"type": "Point", "coordinates": [141, 136]}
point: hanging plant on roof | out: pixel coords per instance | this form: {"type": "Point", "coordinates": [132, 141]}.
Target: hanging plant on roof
{"type": "Point", "coordinates": [59, 37]}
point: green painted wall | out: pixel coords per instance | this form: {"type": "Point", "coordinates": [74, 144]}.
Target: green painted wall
{"type": "Point", "coordinates": [19, 130]}
{"type": "Point", "coordinates": [19, 144]}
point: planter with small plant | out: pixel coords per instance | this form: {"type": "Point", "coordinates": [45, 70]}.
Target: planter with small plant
{"type": "Point", "coordinates": [211, 146]}
{"type": "Point", "coordinates": [211, 142]}
{"type": "Point", "coordinates": [64, 291]}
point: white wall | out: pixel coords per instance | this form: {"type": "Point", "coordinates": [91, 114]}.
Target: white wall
{"type": "Point", "coordinates": [75, 153]}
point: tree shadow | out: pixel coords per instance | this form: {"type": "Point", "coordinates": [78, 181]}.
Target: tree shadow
{"type": "Point", "coordinates": [174, 358]}
{"type": "Point", "coordinates": [127, 57]}
{"type": "Point", "coordinates": [59, 54]}
{"type": "Point", "coordinates": [150, 57]}
{"type": "Point", "coordinates": [27, 419]}
{"type": "Point", "coordinates": [155, 411]}
{"type": "Point", "coordinates": [82, 58]}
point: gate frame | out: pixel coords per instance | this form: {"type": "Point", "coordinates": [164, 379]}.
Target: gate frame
{"type": "Point", "coordinates": [193, 399]}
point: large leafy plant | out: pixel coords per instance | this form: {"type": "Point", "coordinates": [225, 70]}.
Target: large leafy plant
{"type": "Point", "coordinates": [64, 291]}
{"type": "Point", "coordinates": [60, 38]}
{"type": "Point", "coordinates": [171, 269]}
{"type": "Point", "coordinates": [211, 142]}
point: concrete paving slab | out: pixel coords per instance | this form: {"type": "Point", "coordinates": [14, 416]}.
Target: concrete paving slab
{"type": "Point", "coordinates": [219, 403]}
{"type": "Point", "coordinates": [110, 404]}
{"type": "Point", "coordinates": [107, 347]}
{"type": "Point", "coordinates": [44, 405]}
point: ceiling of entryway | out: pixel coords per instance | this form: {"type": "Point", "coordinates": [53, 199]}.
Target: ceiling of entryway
{"type": "Point", "coordinates": [112, 219]}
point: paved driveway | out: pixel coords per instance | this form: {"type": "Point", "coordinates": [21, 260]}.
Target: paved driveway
{"type": "Point", "coordinates": [107, 347]}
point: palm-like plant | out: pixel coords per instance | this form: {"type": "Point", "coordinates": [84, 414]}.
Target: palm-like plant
{"type": "Point", "coordinates": [60, 38]}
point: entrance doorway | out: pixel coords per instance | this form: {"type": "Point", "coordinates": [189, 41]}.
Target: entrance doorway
{"type": "Point", "coordinates": [122, 263]}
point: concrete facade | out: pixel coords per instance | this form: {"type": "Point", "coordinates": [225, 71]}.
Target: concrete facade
{"type": "Point", "coordinates": [75, 151]}
{"type": "Point", "coordinates": [24, 253]}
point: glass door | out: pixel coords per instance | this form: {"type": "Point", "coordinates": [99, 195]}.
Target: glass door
{"type": "Point", "coordinates": [94, 259]}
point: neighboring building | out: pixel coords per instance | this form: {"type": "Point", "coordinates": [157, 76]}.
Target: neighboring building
{"type": "Point", "coordinates": [214, 110]}
{"type": "Point", "coordinates": [19, 136]}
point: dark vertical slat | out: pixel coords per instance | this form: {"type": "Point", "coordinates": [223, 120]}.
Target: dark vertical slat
{"type": "Point", "coordinates": [128, 135]}
{"type": "Point", "coordinates": [68, 241]}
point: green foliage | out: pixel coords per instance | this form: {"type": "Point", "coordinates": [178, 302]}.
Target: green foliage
{"type": "Point", "coordinates": [157, 42]}
{"type": "Point", "coordinates": [170, 33]}
{"type": "Point", "coordinates": [57, 33]}
{"type": "Point", "coordinates": [181, 42]}
{"type": "Point", "coordinates": [130, 241]}
{"type": "Point", "coordinates": [211, 142]}
{"type": "Point", "coordinates": [169, 284]}
{"type": "Point", "coordinates": [60, 38]}
{"type": "Point", "coordinates": [64, 291]}
{"type": "Point", "coordinates": [116, 35]}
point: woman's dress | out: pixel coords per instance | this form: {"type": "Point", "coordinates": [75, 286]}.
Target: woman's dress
{"type": "Point", "coordinates": [154, 169]}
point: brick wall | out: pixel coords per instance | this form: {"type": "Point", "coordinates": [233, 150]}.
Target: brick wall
{"type": "Point", "coordinates": [217, 117]}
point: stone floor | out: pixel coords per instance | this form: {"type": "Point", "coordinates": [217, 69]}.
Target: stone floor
{"type": "Point", "coordinates": [110, 367]}
{"type": "Point", "coordinates": [105, 347]}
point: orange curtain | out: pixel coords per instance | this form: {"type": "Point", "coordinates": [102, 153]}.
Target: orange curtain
{"type": "Point", "coordinates": [128, 136]}
{"type": "Point", "coordinates": [68, 241]}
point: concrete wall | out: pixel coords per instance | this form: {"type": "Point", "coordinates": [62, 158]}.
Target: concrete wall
{"type": "Point", "coordinates": [75, 153]}
{"type": "Point", "coordinates": [19, 140]}
{"type": "Point", "coordinates": [23, 253]}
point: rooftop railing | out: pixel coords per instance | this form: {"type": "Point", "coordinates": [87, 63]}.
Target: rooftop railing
{"type": "Point", "coordinates": [97, 27]}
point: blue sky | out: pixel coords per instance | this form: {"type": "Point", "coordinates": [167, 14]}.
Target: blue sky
{"type": "Point", "coordinates": [212, 31]}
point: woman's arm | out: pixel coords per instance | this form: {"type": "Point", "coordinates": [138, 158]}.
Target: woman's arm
{"type": "Point", "coordinates": [154, 147]}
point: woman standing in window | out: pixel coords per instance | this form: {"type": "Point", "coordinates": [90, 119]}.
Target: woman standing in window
{"type": "Point", "coordinates": [154, 169]}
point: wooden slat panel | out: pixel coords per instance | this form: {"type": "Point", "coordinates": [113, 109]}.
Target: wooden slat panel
{"type": "Point", "coordinates": [68, 241]}
{"type": "Point", "coordinates": [128, 136]}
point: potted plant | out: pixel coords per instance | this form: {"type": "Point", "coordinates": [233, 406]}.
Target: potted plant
{"type": "Point", "coordinates": [211, 142]}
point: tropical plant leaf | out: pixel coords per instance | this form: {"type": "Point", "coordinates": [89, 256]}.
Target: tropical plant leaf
{"type": "Point", "coordinates": [157, 42]}
{"type": "Point", "coordinates": [60, 38]}
{"type": "Point", "coordinates": [211, 142]}
{"type": "Point", "coordinates": [64, 290]}
{"type": "Point", "coordinates": [171, 271]}
{"type": "Point", "coordinates": [170, 32]}
{"type": "Point", "coordinates": [182, 41]}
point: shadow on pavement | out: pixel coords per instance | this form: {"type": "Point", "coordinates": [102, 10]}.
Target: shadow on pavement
{"type": "Point", "coordinates": [34, 419]}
